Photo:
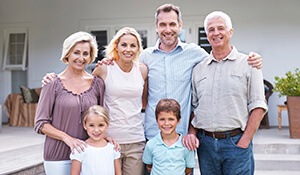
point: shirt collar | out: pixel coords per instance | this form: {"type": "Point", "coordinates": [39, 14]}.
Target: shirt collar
{"type": "Point", "coordinates": [231, 56]}
{"type": "Point", "coordinates": [179, 45]}
{"type": "Point", "coordinates": [176, 144]}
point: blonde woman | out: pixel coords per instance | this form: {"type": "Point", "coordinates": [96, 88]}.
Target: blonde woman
{"type": "Point", "coordinates": [63, 101]}
{"type": "Point", "coordinates": [126, 86]}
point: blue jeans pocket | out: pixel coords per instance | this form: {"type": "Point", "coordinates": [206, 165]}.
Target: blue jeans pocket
{"type": "Point", "coordinates": [235, 139]}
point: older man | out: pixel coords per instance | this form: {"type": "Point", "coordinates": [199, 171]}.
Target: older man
{"type": "Point", "coordinates": [228, 103]}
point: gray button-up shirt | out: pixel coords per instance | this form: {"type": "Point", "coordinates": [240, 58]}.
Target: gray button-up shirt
{"type": "Point", "coordinates": [225, 92]}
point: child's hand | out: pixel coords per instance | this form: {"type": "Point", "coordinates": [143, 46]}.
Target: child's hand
{"type": "Point", "coordinates": [149, 168]}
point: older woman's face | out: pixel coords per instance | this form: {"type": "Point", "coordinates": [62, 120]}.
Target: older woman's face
{"type": "Point", "coordinates": [80, 55]}
{"type": "Point", "coordinates": [127, 47]}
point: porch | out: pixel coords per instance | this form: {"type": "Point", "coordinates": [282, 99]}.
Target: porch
{"type": "Point", "coordinates": [21, 152]}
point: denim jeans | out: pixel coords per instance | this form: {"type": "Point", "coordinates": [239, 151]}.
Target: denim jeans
{"type": "Point", "coordinates": [223, 157]}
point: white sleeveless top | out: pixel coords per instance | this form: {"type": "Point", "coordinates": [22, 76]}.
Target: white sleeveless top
{"type": "Point", "coordinates": [123, 99]}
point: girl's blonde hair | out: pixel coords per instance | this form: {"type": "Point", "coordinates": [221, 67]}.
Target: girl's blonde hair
{"type": "Point", "coordinates": [96, 110]}
{"type": "Point", "coordinates": [79, 37]}
{"type": "Point", "coordinates": [111, 51]}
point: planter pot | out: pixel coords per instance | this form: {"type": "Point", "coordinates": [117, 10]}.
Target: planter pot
{"type": "Point", "coordinates": [293, 105]}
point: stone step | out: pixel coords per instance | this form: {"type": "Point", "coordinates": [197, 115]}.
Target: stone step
{"type": "Point", "coordinates": [277, 162]}
{"type": "Point", "coordinates": [261, 172]}
{"type": "Point", "coordinates": [16, 161]}
{"type": "Point", "coordinates": [277, 148]}
{"type": "Point", "coordinates": [33, 170]}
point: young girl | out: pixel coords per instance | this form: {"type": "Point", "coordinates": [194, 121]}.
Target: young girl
{"type": "Point", "coordinates": [99, 157]}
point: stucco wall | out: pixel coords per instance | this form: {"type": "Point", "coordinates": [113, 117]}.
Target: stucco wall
{"type": "Point", "coordinates": [269, 27]}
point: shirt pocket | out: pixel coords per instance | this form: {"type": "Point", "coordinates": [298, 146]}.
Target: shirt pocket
{"type": "Point", "coordinates": [237, 84]}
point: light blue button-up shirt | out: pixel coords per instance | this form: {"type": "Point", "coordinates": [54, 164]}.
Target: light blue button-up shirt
{"type": "Point", "coordinates": [169, 76]}
{"type": "Point", "coordinates": [168, 160]}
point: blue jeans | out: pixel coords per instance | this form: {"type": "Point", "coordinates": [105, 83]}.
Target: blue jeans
{"type": "Point", "coordinates": [223, 157]}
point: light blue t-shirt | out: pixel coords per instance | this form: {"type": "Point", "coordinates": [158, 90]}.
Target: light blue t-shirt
{"type": "Point", "coordinates": [170, 76]}
{"type": "Point", "coordinates": [168, 160]}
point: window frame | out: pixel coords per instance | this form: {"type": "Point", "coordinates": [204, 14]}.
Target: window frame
{"type": "Point", "coordinates": [101, 48]}
{"type": "Point", "coordinates": [203, 41]}
{"type": "Point", "coordinates": [23, 65]}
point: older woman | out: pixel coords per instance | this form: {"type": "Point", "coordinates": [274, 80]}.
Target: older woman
{"type": "Point", "coordinates": [63, 102]}
{"type": "Point", "coordinates": [126, 86]}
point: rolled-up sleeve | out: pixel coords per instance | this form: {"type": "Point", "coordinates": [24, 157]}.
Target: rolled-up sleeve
{"type": "Point", "coordinates": [256, 97]}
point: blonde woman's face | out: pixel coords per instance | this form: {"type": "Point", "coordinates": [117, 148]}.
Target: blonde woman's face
{"type": "Point", "coordinates": [127, 47]}
{"type": "Point", "coordinates": [80, 56]}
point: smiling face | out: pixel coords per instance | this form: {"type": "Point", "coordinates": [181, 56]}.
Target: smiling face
{"type": "Point", "coordinates": [127, 48]}
{"type": "Point", "coordinates": [168, 29]}
{"type": "Point", "coordinates": [79, 56]}
{"type": "Point", "coordinates": [167, 122]}
{"type": "Point", "coordinates": [218, 34]}
{"type": "Point", "coordinates": [96, 127]}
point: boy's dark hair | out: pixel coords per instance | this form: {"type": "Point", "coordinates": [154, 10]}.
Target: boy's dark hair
{"type": "Point", "coordinates": [168, 105]}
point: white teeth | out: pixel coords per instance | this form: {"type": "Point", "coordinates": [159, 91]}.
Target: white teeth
{"type": "Point", "coordinates": [217, 39]}
{"type": "Point", "coordinates": [79, 62]}
{"type": "Point", "coordinates": [127, 55]}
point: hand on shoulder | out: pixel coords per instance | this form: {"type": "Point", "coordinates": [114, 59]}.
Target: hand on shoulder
{"type": "Point", "coordinates": [48, 78]}
{"type": "Point", "coordinates": [105, 61]}
{"type": "Point", "coordinates": [255, 60]}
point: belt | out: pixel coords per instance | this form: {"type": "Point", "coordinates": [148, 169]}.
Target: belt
{"type": "Point", "coordinates": [223, 134]}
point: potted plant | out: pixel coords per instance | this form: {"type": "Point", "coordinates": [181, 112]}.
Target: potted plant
{"type": "Point", "coordinates": [289, 85]}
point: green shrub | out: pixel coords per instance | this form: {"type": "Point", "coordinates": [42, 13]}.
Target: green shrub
{"type": "Point", "coordinates": [289, 85]}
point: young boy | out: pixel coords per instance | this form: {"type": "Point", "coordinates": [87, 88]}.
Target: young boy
{"type": "Point", "coordinates": [165, 154]}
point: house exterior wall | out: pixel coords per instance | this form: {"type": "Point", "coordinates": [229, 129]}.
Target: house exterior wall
{"type": "Point", "coordinates": [269, 27]}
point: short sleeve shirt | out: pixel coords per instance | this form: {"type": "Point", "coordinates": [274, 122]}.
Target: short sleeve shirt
{"type": "Point", "coordinates": [97, 160]}
{"type": "Point", "coordinates": [168, 160]}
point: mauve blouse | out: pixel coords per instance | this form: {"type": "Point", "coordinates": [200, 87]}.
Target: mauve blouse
{"type": "Point", "coordinates": [64, 111]}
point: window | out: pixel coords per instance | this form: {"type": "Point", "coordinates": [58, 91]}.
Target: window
{"type": "Point", "coordinates": [101, 37]}
{"type": "Point", "coordinates": [202, 40]}
{"type": "Point", "coordinates": [143, 34]}
{"type": "Point", "coordinates": [15, 53]}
